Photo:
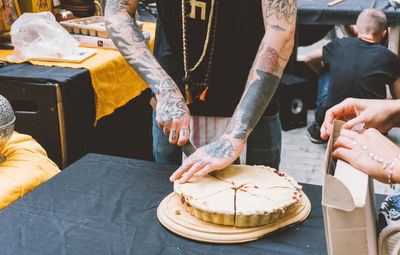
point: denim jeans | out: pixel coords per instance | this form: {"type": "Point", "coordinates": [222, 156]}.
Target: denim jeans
{"type": "Point", "coordinates": [163, 151]}
{"type": "Point", "coordinates": [263, 144]}
{"type": "Point", "coordinates": [321, 108]}
{"type": "Point", "coordinates": [323, 84]}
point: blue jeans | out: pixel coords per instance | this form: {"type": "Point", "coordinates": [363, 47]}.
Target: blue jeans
{"type": "Point", "coordinates": [323, 84]}
{"type": "Point", "coordinates": [263, 144]}
{"type": "Point", "coordinates": [322, 94]}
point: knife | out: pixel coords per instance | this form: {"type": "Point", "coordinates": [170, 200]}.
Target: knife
{"type": "Point", "coordinates": [188, 148]}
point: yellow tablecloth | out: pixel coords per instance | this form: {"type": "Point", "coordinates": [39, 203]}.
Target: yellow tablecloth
{"type": "Point", "coordinates": [26, 167]}
{"type": "Point", "coordinates": [114, 82]}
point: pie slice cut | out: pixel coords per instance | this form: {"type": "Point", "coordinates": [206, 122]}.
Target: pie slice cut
{"type": "Point", "coordinates": [217, 208]}
{"type": "Point", "coordinates": [254, 176]}
{"type": "Point", "coordinates": [255, 207]}
{"type": "Point", "coordinates": [200, 187]}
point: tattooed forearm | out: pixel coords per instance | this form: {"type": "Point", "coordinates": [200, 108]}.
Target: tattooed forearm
{"type": "Point", "coordinates": [268, 66]}
{"type": "Point", "coordinates": [262, 83]}
{"type": "Point", "coordinates": [253, 104]}
{"type": "Point", "coordinates": [128, 38]}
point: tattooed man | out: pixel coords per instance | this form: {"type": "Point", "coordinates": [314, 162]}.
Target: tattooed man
{"type": "Point", "coordinates": [247, 44]}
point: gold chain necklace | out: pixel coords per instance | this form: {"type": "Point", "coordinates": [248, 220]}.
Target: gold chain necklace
{"type": "Point", "coordinates": [187, 70]}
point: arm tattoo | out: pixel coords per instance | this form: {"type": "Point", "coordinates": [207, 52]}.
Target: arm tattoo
{"type": "Point", "coordinates": [125, 34]}
{"type": "Point", "coordinates": [268, 60]}
{"type": "Point", "coordinates": [286, 9]}
{"type": "Point", "coordinates": [279, 14]}
{"type": "Point", "coordinates": [268, 66]}
{"type": "Point", "coordinates": [261, 85]}
{"type": "Point", "coordinates": [254, 102]}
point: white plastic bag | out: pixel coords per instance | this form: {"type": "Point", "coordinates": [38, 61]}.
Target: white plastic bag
{"type": "Point", "coordinates": [38, 35]}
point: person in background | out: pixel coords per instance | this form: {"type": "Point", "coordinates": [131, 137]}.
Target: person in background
{"type": "Point", "coordinates": [358, 67]}
{"type": "Point", "coordinates": [227, 58]}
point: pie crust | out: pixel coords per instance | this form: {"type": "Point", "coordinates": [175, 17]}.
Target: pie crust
{"type": "Point", "coordinates": [240, 195]}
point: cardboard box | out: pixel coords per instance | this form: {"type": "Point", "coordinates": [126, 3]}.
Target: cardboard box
{"type": "Point", "coordinates": [348, 203]}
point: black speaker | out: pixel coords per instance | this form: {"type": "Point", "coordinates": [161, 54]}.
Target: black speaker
{"type": "Point", "coordinates": [39, 113]}
{"type": "Point", "coordinates": [293, 92]}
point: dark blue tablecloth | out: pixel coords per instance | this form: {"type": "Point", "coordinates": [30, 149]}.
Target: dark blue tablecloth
{"type": "Point", "coordinates": [107, 205]}
{"type": "Point", "coordinates": [313, 12]}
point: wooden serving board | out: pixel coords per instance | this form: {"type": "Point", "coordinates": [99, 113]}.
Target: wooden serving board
{"type": "Point", "coordinates": [188, 226]}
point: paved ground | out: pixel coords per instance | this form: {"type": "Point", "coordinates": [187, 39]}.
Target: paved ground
{"type": "Point", "coordinates": [304, 160]}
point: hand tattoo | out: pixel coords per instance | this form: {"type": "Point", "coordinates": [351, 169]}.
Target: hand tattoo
{"type": "Point", "coordinates": [222, 148]}
{"type": "Point", "coordinates": [173, 135]}
{"type": "Point", "coordinates": [171, 106]}
{"type": "Point", "coordinates": [184, 132]}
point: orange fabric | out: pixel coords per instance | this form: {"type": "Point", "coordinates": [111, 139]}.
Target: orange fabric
{"type": "Point", "coordinates": [115, 83]}
{"type": "Point", "coordinates": [26, 167]}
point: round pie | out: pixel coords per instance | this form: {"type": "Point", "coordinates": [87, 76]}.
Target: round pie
{"type": "Point", "coordinates": [240, 195]}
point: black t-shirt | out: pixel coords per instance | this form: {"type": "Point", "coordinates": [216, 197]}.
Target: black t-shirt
{"type": "Point", "coordinates": [239, 31]}
{"type": "Point", "coordinates": [358, 69]}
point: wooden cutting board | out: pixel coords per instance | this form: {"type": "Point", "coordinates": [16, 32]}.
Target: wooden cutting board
{"type": "Point", "coordinates": [188, 226]}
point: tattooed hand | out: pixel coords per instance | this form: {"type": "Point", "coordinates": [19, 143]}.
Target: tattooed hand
{"type": "Point", "coordinates": [173, 115]}
{"type": "Point", "coordinates": [213, 156]}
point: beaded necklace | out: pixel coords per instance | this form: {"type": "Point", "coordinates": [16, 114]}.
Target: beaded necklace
{"type": "Point", "coordinates": [211, 27]}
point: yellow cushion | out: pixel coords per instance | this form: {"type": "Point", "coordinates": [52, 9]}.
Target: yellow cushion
{"type": "Point", "coordinates": [26, 167]}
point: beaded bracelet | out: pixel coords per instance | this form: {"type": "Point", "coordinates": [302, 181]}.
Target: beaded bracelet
{"type": "Point", "coordinates": [384, 164]}
{"type": "Point", "coordinates": [390, 171]}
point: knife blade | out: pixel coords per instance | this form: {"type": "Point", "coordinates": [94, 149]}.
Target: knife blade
{"type": "Point", "coordinates": [188, 148]}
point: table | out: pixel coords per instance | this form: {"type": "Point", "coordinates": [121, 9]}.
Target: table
{"type": "Point", "coordinates": [107, 205]}
{"type": "Point", "coordinates": [313, 12]}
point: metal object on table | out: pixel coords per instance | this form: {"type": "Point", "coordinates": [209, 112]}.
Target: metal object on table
{"type": "Point", "coordinates": [7, 121]}
{"type": "Point", "coordinates": [188, 148]}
